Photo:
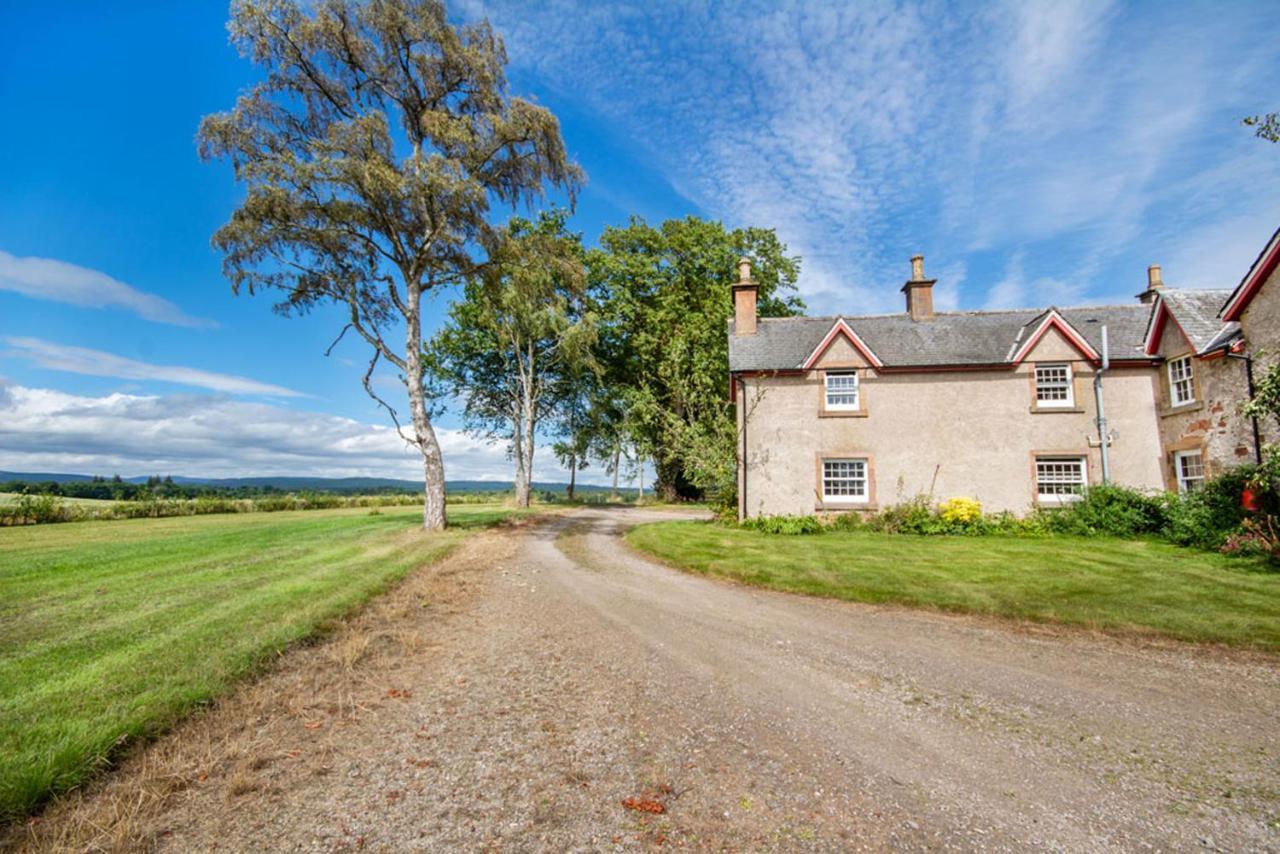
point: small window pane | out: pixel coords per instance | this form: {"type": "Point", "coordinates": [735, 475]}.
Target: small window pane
{"type": "Point", "coordinates": [1181, 386]}
{"type": "Point", "coordinates": [1053, 385]}
{"type": "Point", "coordinates": [1059, 478]}
{"type": "Point", "coordinates": [844, 480]}
{"type": "Point", "coordinates": [842, 391]}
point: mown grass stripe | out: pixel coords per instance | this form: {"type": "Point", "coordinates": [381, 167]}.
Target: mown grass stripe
{"type": "Point", "coordinates": [119, 628]}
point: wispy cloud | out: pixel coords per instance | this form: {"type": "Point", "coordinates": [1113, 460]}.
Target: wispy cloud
{"type": "Point", "coordinates": [1015, 289]}
{"type": "Point", "coordinates": [58, 281]}
{"type": "Point", "coordinates": [1077, 133]}
{"type": "Point", "coordinates": [97, 363]}
{"type": "Point", "coordinates": [211, 436]}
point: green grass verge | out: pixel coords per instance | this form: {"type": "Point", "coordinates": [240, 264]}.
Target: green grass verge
{"type": "Point", "coordinates": [1108, 584]}
{"type": "Point", "coordinates": [111, 631]}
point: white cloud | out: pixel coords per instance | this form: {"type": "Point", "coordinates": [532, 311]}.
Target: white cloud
{"type": "Point", "coordinates": [82, 360]}
{"type": "Point", "coordinates": [1076, 131]}
{"type": "Point", "coordinates": [58, 281]}
{"type": "Point", "coordinates": [1016, 290]}
{"type": "Point", "coordinates": [211, 436]}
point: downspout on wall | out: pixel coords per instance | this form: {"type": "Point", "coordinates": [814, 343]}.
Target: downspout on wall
{"type": "Point", "coordinates": [1248, 376]}
{"type": "Point", "coordinates": [742, 408]}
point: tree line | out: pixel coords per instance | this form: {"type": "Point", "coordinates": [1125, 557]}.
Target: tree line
{"type": "Point", "coordinates": [155, 487]}
{"type": "Point", "coordinates": [375, 154]}
{"type": "Point", "coordinates": [618, 352]}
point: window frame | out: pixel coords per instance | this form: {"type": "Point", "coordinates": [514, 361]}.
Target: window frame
{"type": "Point", "coordinates": [827, 405]}
{"type": "Point", "coordinates": [1069, 402]}
{"type": "Point", "coordinates": [1058, 499]}
{"type": "Point", "coordinates": [1189, 379]}
{"type": "Point", "coordinates": [829, 499]}
{"type": "Point", "coordinates": [1180, 478]}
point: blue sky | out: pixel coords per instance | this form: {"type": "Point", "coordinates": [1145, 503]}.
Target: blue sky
{"type": "Point", "coordinates": [1035, 153]}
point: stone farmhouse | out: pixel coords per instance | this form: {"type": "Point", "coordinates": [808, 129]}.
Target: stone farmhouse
{"type": "Point", "coordinates": [859, 412]}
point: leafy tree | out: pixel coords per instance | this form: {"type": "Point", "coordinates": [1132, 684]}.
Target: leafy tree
{"type": "Point", "coordinates": [371, 154]}
{"type": "Point", "coordinates": [664, 298]}
{"type": "Point", "coordinates": [518, 336]}
{"type": "Point", "coordinates": [1265, 126]}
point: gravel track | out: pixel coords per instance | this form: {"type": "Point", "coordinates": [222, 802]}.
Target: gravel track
{"type": "Point", "coordinates": [514, 696]}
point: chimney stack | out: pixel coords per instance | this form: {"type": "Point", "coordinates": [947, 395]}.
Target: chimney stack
{"type": "Point", "coordinates": [919, 291]}
{"type": "Point", "coordinates": [745, 291]}
{"type": "Point", "coordinates": [1154, 283]}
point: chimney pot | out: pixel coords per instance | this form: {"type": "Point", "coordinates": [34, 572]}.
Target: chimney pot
{"type": "Point", "coordinates": [917, 268]}
{"type": "Point", "coordinates": [1154, 279]}
{"type": "Point", "coordinates": [744, 270]}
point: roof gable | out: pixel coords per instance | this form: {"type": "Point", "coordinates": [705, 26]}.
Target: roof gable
{"type": "Point", "coordinates": [1193, 314]}
{"type": "Point", "coordinates": [1051, 319]}
{"type": "Point", "coordinates": [838, 330]}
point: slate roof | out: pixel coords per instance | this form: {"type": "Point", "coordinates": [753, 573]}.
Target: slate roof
{"type": "Point", "coordinates": [1196, 311]}
{"type": "Point", "coordinates": [949, 338]}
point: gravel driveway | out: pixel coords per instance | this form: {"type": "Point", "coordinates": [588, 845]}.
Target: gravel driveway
{"type": "Point", "coordinates": [547, 689]}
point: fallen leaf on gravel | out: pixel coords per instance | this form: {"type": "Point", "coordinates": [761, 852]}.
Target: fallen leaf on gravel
{"type": "Point", "coordinates": [644, 805]}
{"type": "Point", "coordinates": [313, 724]}
{"type": "Point", "coordinates": [398, 694]}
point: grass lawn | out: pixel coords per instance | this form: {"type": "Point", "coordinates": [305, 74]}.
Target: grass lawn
{"type": "Point", "coordinates": [1110, 584]}
{"type": "Point", "coordinates": [115, 629]}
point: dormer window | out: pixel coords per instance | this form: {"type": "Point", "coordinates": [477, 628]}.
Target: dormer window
{"type": "Point", "coordinates": [842, 391]}
{"type": "Point", "coordinates": [1054, 386]}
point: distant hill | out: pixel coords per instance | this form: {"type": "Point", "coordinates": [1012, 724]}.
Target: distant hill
{"type": "Point", "coordinates": [312, 484]}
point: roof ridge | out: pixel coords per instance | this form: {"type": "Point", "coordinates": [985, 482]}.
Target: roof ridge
{"type": "Point", "coordinates": [981, 312]}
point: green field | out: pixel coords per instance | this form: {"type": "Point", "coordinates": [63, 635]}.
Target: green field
{"type": "Point", "coordinates": [1108, 584]}
{"type": "Point", "coordinates": [112, 630]}
{"type": "Point", "coordinates": [11, 497]}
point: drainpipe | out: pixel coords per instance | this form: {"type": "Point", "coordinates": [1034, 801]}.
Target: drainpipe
{"type": "Point", "coordinates": [1102, 413]}
{"type": "Point", "coordinates": [742, 403]}
{"type": "Point", "coordinates": [1248, 375]}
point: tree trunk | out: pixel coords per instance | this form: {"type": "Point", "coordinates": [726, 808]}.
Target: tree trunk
{"type": "Point", "coordinates": [433, 509]}
{"type": "Point", "coordinates": [573, 474]}
{"type": "Point", "coordinates": [617, 462]}
{"type": "Point", "coordinates": [639, 478]}
{"type": "Point", "coordinates": [668, 472]}
{"type": "Point", "coordinates": [522, 469]}
{"type": "Point", "coordinates": [530, 427]}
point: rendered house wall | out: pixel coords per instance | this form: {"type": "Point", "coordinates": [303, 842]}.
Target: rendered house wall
{"type": "Point", "coordinates": [945, 433]}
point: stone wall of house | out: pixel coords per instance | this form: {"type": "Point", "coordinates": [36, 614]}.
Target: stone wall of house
{"type": "Point", "coordinates": [942, 434]}
{"type": "Point", "coordinates": [1212, 423]}
{"type": "Point", "coordinates": [1261, 326]}
{"type": "Point", "coordinates": [1261, 320]}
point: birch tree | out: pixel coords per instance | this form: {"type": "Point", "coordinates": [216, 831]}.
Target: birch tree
{"type": "Point", "coordinates": [370, 154]}
{"type": "Point", "coordinates": [520, 332]}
